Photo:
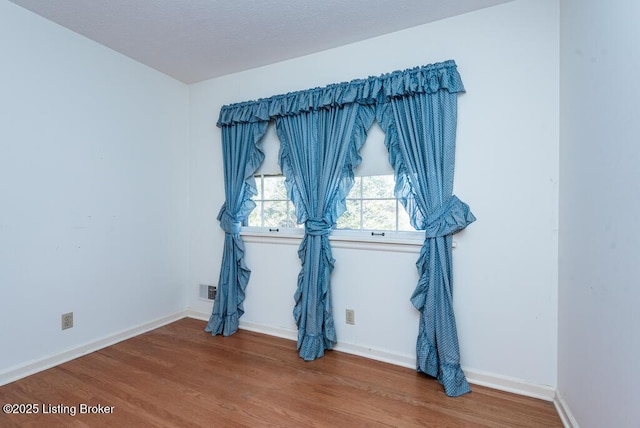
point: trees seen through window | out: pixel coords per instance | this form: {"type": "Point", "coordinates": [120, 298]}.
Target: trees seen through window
{"type": "Point", "coordinates": [371, 205]}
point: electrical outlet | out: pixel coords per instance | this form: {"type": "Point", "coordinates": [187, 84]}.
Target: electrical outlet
{"type": "Point", "coordinates": [67, 320]}
{"type": "Point", "coordinates": [350, 317]}
{"type": "Point", "coordinates": [211, 292]}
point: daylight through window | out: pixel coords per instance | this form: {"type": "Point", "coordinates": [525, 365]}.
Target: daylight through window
{"type": "Point", "coordinates": [273, 208]}
{"type": "Point", "coordinates": [371, 205]}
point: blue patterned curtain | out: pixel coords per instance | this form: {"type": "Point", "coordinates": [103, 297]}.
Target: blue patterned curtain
{"type": "Point", "coordinates": [420, 132]}
{"type": "Point", "coordinates": [321, 131]}
{"type": "Point", "coordinates": [318, 153]}
{"type": "Point", "coordinates": [241, 158]}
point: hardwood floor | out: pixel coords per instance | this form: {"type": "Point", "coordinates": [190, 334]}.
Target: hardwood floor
{"type": "Point", "coordinates": [180, 376]}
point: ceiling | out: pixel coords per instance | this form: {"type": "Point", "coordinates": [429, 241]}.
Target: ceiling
{"type": "Point", "coordinates": [195, 40]}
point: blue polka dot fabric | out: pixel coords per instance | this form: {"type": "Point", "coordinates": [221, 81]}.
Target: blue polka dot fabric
{"type": "Point", "coordinates": [321, 131]}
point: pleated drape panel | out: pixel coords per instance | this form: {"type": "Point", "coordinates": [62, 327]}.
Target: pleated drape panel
{"type": "Point", "coordinates": [242, 156]}
{"type": "Point", "coordinates": [318, 154]}
{"type": "Point", "coordinates": [420, 134]}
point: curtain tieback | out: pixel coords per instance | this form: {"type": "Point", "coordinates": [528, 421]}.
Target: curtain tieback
{"type": "Point", "coordinates": [317, 227]}
{"type": "Point", "coordinates": [453, 216]}
{"type": "Point", "coordinates": [229, 224]}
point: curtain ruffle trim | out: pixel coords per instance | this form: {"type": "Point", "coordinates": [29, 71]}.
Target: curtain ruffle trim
{"type": "Point", "coordinates": [225, 325]}
{"type": "Point", "coordinates": [222, 321]}
{"type": "Point", "coordinates": [365, 118]}
{"type": "Point", "coordinates": [253, 163]}
{"type": "Point", "coordinates": [403, 189]}
{"type": "Point", "coordinates": [311, 346]}
{"type": "Point", "coordinates": [425, 79]}
{"type": "Point", "coordinates": [243, 273]}
{"type": "Point", "coordinates": [419, 296]}
{"type": "Point", "coordinates": [450, 376]}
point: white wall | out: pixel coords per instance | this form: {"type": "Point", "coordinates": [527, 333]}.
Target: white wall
{"type": "Point", "coordinates": [93, 187]}
{"type": "Point", "coordinates": [599, 350]}
{"type": "Point", "coordinates": [505, 289]}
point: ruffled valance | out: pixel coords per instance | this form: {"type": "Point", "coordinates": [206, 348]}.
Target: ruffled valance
{"type": "Point", "coordinates": [425, 79]}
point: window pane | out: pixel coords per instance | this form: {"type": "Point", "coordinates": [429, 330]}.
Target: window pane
{"type": "Point", "coordinates": [403, 219]}
{"type": "Point", "coordinates": [255, 217]}
{"type": "Point", "coordinates": [378, 186]}
{"type": "Point", "coordinates": [291, 215]}
{"type": "Point", "coordinates": [351, 217]}
{"type": "Point", "coordinates": [379, 215]}
{"type": "Point", "coordinates": [355, 192]}
{"type": "Point", "coordinates": [274, 188]}
{"type": "Point", "coordinates": [371, 205]}
{"type": "Point", "coordinates": [275, 214]}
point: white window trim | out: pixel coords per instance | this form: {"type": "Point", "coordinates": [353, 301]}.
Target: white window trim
{"type": "Point", "coordinates": [401, 242]}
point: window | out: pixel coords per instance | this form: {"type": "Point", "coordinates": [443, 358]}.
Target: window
{"type": "Point", "coordinates": [371, 205]}
{"type": "Point", "coordinates": [273, 208]}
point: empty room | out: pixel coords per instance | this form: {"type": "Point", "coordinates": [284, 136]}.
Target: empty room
{"type": "Point", "coordinates": [341, 213]}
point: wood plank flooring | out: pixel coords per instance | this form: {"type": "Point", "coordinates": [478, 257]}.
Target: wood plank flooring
{"type": "Point", "coordinates": [180, 376]}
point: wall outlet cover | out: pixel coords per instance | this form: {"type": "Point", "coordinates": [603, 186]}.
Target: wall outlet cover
{"type": "Point", "coordinates": [350, 316]}
{"type": "Point", "coordinates": [67, 320]}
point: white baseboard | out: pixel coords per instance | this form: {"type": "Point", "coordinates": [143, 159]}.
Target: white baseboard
{"type": "Point", "coordinates": [407, 361]}
{"type": "Point", "coordinates": [475, 377]}
{"type": "Point", "coordinates": [284, 333]}
{"type": "Point", "coordinates": [568, 420]}
{"type": "Point", "coordinates": [202, 316]}
{"type": "Point", "coordinates": [39, 365]}
{"type": "Point", "coordinates": [509, 384]}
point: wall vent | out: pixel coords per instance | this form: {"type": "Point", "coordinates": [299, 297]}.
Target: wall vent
{"type": "Point", "coordinates": [208, 291]}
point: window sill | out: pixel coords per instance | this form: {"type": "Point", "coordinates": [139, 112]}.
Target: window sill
{"type": "Point", "coordinates": [402, 242]}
